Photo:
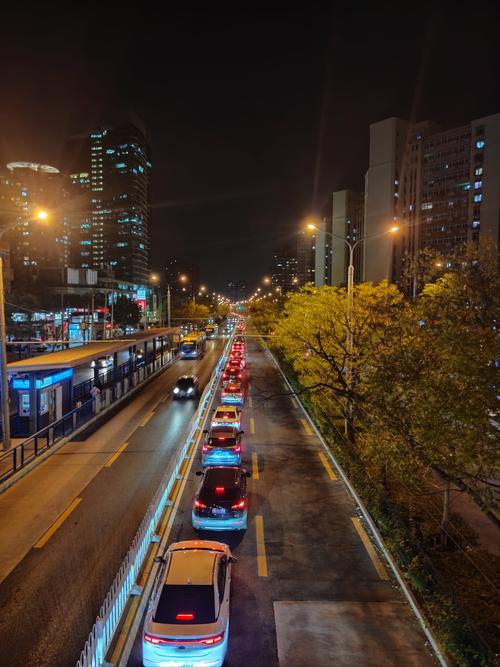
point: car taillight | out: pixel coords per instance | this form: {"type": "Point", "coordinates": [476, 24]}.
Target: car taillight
{"type": "Point", "coordinates": [239, 506]}
{"type": "Point", "coordinates": [237, 448]}
{"type": "Point", "coordinates": [184, 616]}
{"type": "Point", "coordinates": [221, 438]}
{"type": "Point", "coordinates": [216, 639]}
{"type": "Point", "coordinates": [219, 490]}
{"type": "Point", "coordinates": [199, 504]}
{"type": "Point", "coordinates": [154, 640]}
{"type": "Point", "coordinates": [205, 448]}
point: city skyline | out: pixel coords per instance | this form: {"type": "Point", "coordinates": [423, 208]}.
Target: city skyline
{"type": "Point", "coordinates": [242, 151]}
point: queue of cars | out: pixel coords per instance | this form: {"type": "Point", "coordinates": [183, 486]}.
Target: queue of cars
{"type": "Point", "coordinates": [187, 622]}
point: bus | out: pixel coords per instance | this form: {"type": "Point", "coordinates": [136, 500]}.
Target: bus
{"type": "Point", "coordinates": [211, 331]}
{"type": "Point", "coordinates": [193, 345]}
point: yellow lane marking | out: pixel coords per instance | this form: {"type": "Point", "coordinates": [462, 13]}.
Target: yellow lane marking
{"type": "Point", "coordinates": [294, 402]}
{"type": "Point", "coordinates": [306, 426]}
{"type": "Point", "coordinates": [255, 466]}
{"type": "Point", "coordinates": [252, 425]}
{"type": "Point", "coordinates": [57, 523]}
{"type": "Point", "coordinates": [116, 455]}
{"type": "Point", "coordinates": [261, 547]}
{"type": "Point", "coordinates": [250, 402]}
{"type": "Point", "coordinates": [328, 466]}
{"type": "Point", "coordinates": [379, 566]}
{"type": "Point", "coordinates": [145, 421]}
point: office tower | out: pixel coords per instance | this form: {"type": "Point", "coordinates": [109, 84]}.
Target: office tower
{"type": "Point", "coordinates": [347, 223]}
{"type": "Point", "coordinates": [109, 170]}
{"type": "Point", "coordinates": [36, 245]}
{"type": "Point", "coordinates": [306, 257]}
{"type": "Point", "coordinates": [284, 271]}
{"type": "Point", "coordinates": [442, 186]}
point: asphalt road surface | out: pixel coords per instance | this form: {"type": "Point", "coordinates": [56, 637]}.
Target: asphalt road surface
{"type": "Point", "coordinates": [309, 587]}
{"type": "Point", "coordinates": [66, 526]}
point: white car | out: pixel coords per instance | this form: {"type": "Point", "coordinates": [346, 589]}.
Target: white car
{"type": "Point", "coordinates": [226, 415]}
{"type": "Point", "coordinates": [187, 622]}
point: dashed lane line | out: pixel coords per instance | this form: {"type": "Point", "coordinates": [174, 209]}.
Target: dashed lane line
{"type": "Point", "coordinates": [57, 523]}
{"type": "Point", "coordinates": [379, 566]}
{"type": "Point", "coordinates": [328, 467]}
{"type": "Point", "coordinates": [306, 426]}
{"type": "Point", "coordinates": [252, 425]}
{"type": "Point", "coordinates": [147, 418]}
{"type": "Point", "coordinates": [255, 466]}
{"type": "Point", "coordinates": [261, 547]}
{"type": "Point", "coordinates": [116, 455]}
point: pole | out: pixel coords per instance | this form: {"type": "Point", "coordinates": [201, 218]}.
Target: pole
{"type": "Point", "coordinates": [3, 361]}
{"type": "Point", "coordinates": [350, 338]}
{"type": "Point", "coordinates": [168, 306]}
{"type": "Point", "coordinates": [112, 314]}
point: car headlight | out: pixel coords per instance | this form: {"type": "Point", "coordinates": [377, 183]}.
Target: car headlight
{"type": "Point", "coordinates": [190, 390]}
{"type": "Point", "coordinates": [176, 390]}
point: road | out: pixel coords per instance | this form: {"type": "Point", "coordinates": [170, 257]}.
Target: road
{"type": "Point", "coordinates": [309, 588]}
{"type": "Point", "coordinates": [66, 526]}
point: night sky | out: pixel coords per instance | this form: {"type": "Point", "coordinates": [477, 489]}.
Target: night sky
{"type": "Point", "coordinates": [254, 116]}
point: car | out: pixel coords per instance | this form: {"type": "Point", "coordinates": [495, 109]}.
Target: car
{"type": "Point", "coordinates": [222, 446]}
{"type": "Point", "coordinates": [221, 501]}
{"type": "Point", "coordinates": [226, 416]}
{"type": "Point", "coordinates": [232, 374]}
{"type": "Point", "coordinates": [236, 361]}
{"type": "Point", "coordinates": [187, 386]}
{"type": "Point", "coordinates": [232, 394]}
{"type": "Point", "coordinates": [239, 339]}
{"type": "Point", "coordinates": [102, 362]}
{"type": "Point", "coordinates": [187, 621]}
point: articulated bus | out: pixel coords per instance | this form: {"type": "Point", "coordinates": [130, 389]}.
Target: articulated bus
{"type": "Point", "coordinates": [193, 345]}
{"type": "Point", "coordinates": [211, 331]}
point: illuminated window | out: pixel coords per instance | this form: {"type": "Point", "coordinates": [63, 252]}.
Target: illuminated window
{"type": "Point", "coordinates": [480, 144]}
{"type": "Point", "coordinates": [478, 171]}
{"type": "Point", "coordinates": [478, 197]}
{"type": "Point", "coordinates": [478, 185]}
{"type": "Point", "coordinates": [475, 224]}
{"type": "Point", "coordinates": [120, 165]}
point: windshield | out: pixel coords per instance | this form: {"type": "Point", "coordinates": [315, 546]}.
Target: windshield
{"type": "Point", "coordinates": [196, 602]}
{"type": "Point", "coordinates": [183, 383]}
{"type": "Point", "coordinates": [188, 346]}
{"type": "Point", "coordinates": [225, 414]}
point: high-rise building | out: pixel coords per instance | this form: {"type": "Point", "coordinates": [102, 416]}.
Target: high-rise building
{"type": "Point", "coordinates": [110, 174]}
{"type": "Point", "coordinates": [443, 187]}
{"type": "Point", "coordinates": [36, 245]}
{"type": "Point", "coordinates": [284, 271]}
{"type": "Point", "coordinates": [347, 223]}
{"type": "Point", "coordinates": [306, 256]}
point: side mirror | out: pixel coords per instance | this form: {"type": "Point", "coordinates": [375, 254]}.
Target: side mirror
{"type": "Point", "coordinates": [248, 474]}
{"type": "Point", "coordinates": [233, 559]}
{"type": "Point", "coordinates": [199, 473]}
{"type": "Point", "coordinates": [204, 430]}
{"type": "Point", "coordinates": [159, 559]}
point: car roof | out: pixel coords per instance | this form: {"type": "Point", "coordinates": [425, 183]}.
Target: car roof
{"type": "Point", "coordinates": [187, 377]}
{"type": "Point", "coordinates": [191, 566]}
{"type": "Point", "coordinates": [226, 408]}
{"type": "Point", "coordinates": [221, 475]}
{"type": "Point", "coordinates": [223, 430]}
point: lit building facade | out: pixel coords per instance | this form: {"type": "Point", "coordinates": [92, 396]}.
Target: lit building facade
{"type": "Point", "coordinates": [306, 257]}
{"type": "Point", "coordinates": [284, 271]}
{"type": "Point", "coordinates": [110, 174]}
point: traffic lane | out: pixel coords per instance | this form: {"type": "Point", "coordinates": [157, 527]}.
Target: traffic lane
{"type": "Point", "coordinates": [29, 507]}
{"type": "Point", "coordinates": [53, 596]}
{"type": "Point", "coordinates": [321, 576]}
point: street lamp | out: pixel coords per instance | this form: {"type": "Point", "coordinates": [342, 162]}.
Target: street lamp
{"type": "Point", "coordinates": [350, 297]}
{"type": "Point", "coordinates": [41, 215]}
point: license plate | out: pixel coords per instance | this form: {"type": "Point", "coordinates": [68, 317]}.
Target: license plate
{"type": "Point", "coordinates": [218, 511]}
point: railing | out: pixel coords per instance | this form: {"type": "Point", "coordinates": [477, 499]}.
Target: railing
{"type": "Point", "coordinates": [37, 444]}
{"type": "Point", "coordinates": [102, 632]}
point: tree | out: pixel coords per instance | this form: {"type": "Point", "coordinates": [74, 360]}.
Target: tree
{"type": "Point", "coordinates": [126, 312]}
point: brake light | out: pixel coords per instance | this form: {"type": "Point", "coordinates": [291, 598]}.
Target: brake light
{"type": "Point", "coordinates": [221, 438]}
{"type": "Point", "coordinates": [154, 640]}
{"type": "Point", "coordinates": [240, 375]}
{"type": "Point", "coordinates": [237, 448]}
{"type": "Point", "coordinates": [199, 504]}
{"type": "Point", "coordinates": [205, 448]}
{"type": "Point", "coordinates": [219, 489]}
{"type": "Point", "coordinates": [239, 506]}
{"type": "Point", "coordinates": [210, 641]}
{"type": "Point", "coordinates": [184, 617]}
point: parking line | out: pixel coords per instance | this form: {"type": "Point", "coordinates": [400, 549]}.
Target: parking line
{"type": "Point", "coordinates": [116, 455]}
{"type": "Point", "coordinates": [57, 523]}
{"type": "Point", "coordinates": [261, 547]}
{"type": "Point", "coordinates": [252, 425]}
{"type": "Point", "coordinates": [306, 426]}
{"type": "Point", "coordinates": [328, 466]}
{"type": "Point", "coordinates": [379, 566]}
{"type": "Point", "coordinates": [145, 421]}
{"type": "Point", "coordinates": [255, 466]}
{"type": "Point", "coordinates": [294, 402]}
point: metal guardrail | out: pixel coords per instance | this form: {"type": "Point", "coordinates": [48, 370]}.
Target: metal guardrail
{"type": "Point", "coordinates": [37, 444]}
{"type": "Point", "coordinates": [97, 644]}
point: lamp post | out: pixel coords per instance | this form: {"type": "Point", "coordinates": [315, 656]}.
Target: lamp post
{"type": "Point", "coordinates": [4, 376]}
{"type": "Point", "coordinates": [350, 302]}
